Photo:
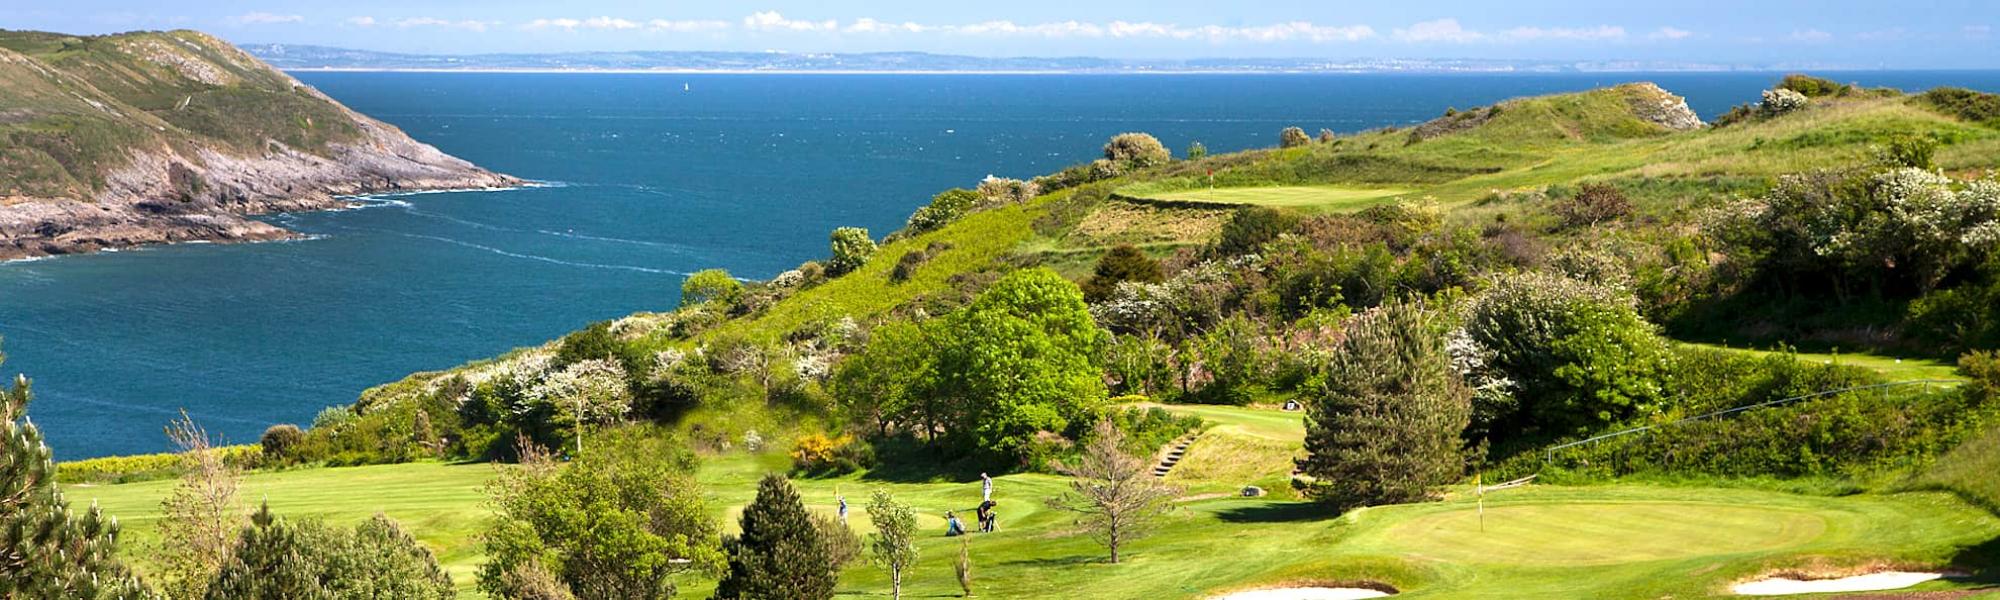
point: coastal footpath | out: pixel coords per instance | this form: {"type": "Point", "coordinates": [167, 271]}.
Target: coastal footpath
{"type": "Point", "coordinates": [158, 137]}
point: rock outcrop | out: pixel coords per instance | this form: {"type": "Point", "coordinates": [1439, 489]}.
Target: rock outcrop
{"type": "Point", "coordinates": [135, 161]}
{"type": "Point", "coordinates": [1657, 106]}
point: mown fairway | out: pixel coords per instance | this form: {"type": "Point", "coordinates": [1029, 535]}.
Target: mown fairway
{"type": "Point", "coordinates": [1320, 197]}
{"type": "Point", "coordinates": [1613, 541]}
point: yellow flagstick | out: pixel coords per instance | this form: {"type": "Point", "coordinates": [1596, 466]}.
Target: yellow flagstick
{"type": "Point", "coordinates": [1479, 487]}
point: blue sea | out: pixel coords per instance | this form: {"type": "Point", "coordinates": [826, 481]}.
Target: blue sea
{"type": "Point", "coordinates": [649, 177]}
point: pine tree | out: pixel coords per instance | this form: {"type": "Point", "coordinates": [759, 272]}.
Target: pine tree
{"type": "Point", "coordinates": [780, 555]}
{"type": "Point", "coordinates": [45, 551]}
{"type": "Point", "coordinates": [271, 560]}
{"type": "Point", "coordinates": [1386, 426]}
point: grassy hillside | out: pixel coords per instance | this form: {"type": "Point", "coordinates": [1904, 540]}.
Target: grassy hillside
{"type": "Point", "coordinates": [1607, 192]}
{"type": "Point", "coordinates": [72, 108]}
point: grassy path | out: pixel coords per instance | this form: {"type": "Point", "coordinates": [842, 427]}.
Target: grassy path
{"type": "Point", "coordinates": [1895, 368]}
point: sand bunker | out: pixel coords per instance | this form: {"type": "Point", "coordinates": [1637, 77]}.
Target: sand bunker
{"type": "Point", "coordinates": [1779, 586]}
{"type": "Point", "coordinates": [1307, 593]}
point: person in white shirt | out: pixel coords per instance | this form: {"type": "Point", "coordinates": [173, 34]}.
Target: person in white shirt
{"type": "Point", "coordinates": [985, 487]}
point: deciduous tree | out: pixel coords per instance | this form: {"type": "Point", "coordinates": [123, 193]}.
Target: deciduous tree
{"type": "Point", "coordinates": [894, 543]}
{"type": "Point", "coordinates": [1113, 493]}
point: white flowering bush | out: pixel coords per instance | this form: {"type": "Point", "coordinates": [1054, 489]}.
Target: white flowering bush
{"type": "Point", "coordinates": [594, 390]}
{"type": "Point", "coordinates": [1782, 101]}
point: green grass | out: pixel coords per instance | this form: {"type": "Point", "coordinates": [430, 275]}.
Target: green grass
{"type": "Point", "coordinates": [1605, 541]}
{"type": "Point", "coordinates": [1972, 470]}
{"type": "Point", "coordinates": [442, 505]}
{"type": "Point", "coordinates": [1324, 197]}
{"type": "Point", "coordinates": [1893, 368]}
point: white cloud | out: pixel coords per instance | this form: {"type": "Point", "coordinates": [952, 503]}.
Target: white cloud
{"type": "Point", "coordinates": [1062, 29]}
{"type": "Point", "coordinates": [770, 20]}
{"type": "Point", "coordinates": [1441, 30]}
{"type": "Point", "coordinates": [867, 25]}
{"type": "Point", "coordinates": [1809, 35]}
{"type": "Point", "coordinates": [1669, 33]}
{"type": "Point", "coordinates": [1450, 31]}
{"type": "Point", "coordinates": [264, 18]}
{"type": "Point", "coordinates": [686, 26]}
{"type": "Point", "coordinates": [413, 22]}
{"type": "Point", "coordinates": [1598, 33]}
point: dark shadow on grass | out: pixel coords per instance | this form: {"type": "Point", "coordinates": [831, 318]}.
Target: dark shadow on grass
{"type": "Point", "coordinates": [1065, 561]}
{"type": "Point", "coordinates": [1982, 562]}
{"type": "Point", "coordinates": [1277, 512]}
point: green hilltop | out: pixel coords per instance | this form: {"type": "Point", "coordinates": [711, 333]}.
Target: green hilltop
{"type": "Point", "coordinates": [162, 129]}
{"type": "Point", "coordinates": [1594, 262]}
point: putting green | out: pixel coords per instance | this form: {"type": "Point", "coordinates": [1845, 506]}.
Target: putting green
{"type": "Point", "coordinates": [1601, 534]}
{"type": "Point", "coordinates": [1334, 197]}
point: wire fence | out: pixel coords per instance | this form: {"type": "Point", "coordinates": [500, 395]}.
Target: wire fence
{"type": "Point", "coordinates": [1548, 454]}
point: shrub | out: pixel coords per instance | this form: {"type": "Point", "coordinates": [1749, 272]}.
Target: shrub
{"type": "Point", "coordinates": [1811, 87]}
{"type": "Point", "coordinates": [1384, 424]}
{"type": "Point", "coordinates": [1592, 203]}
{"type": "Point", "coordinates": [1782, 101]}
{"type": "Point", "coordinates": [1001, 190]}
{"type": "Point", "coordinates": [1910, 151]}
{"type": "Point", "coordinates": [1293, 137]}
{"type": "Point", "coordinates": [944, 208]}
{"type": "Point", "coordinates": [280, 440]}
{"type": "Point", "coordinates": [1968, 105]}
{"type": "Point", "coordinates": [711, 286]}
{"type": "Point", "coordinates": [1326, 136]}
{"type": "Point", "coordinates": [1136, 150]}
{"type": "Point", "coordinates": [780, 553]}
{"type": "Point", "coordinates": [1196, 151]}
{"type": "Point", "coordinates": [1250, 227]}
{"type": "Point", "coordinates": [851, 249]}
{"type": "Point", "coordinates": [618, 523]}
{"type": "Point", "coordinates": [277, 560]}
{"type": "Point", "coordinates": [1575, 355]}
{"type": "Point", "coordinates": [1123, 263]}
{"type": "Point", "coordinates": [819, 454]}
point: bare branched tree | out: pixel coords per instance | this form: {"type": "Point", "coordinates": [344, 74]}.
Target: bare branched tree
{"type": "Point", "coordinates": [1114, 494]}
{"type": "Point", "coordinates": [201, 517]}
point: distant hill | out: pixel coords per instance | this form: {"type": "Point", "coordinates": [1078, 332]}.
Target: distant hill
{"type": "Point", "coordinates": [299, 57]}
{"type": "Point", "coordinates": [118, 140]}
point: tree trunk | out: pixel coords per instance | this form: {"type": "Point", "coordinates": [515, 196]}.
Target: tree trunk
{"type": "Point", "coordinates": [896, 584]}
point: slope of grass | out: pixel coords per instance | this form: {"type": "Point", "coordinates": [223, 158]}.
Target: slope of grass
{"type": "Point", "coordinates": [1618, 541]}
{"type": "Point", "coordinates": [1893, 368]}
{"type": "Point", "coordinates": [1972, 470]}
{"type": "Point", "coordinates": [1325, 197]}
{"type": "Point", "coordinates": [441, 504]}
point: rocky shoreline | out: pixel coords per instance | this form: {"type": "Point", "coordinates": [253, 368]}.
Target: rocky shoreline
{"type": "Point", "coordinates": [166, 196]}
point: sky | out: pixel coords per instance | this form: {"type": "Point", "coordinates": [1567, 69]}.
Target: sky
{"type": "Point", "coordinates": [1851, 33]}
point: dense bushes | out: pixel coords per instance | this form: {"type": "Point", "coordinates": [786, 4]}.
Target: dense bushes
{"type": "Point", "coordinates": [1250, 227]}
{"type": "Point", "coordinates": [1136, 151]}
{"type": "Point", "coordinates": [1569, 356]}
{"type": "Point", "coordinates": [1122, 263]}
{"type": "Point", "coordinates": [279, 560]}
{"type": "Point", "coordinates": [1812, 87]}
{"type": "Point", "coordinates": [1293, 137]}
{"type": "Point", "coordinates": [1976, 107]}
{"type": "Point", "coordinates": [851, 248]}
{"type": "Point", "coordinates": [1855, 435]}
{"type": "Point", "coordinates": [711, 286]}
{"type": "Point", "coordinates": [1021, 359]}
{"type": "Point", "coordinates": [618, 523]}
{"type": "Point", "coordinates": [944, 208]}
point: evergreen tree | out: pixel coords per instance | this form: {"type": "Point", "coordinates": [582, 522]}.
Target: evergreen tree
{"type": "Point", "coordinates": [1385, 425]}
{"type": "Point", "coordinates": [278, 560]}
{"type": "Point", "coordinates": [45, 551]}
{"type": "Point", "coordinates": [780, 555]}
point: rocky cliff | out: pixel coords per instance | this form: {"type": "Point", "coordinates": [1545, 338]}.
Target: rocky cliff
{"type": "Point", "coordinates": [121, 140]}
